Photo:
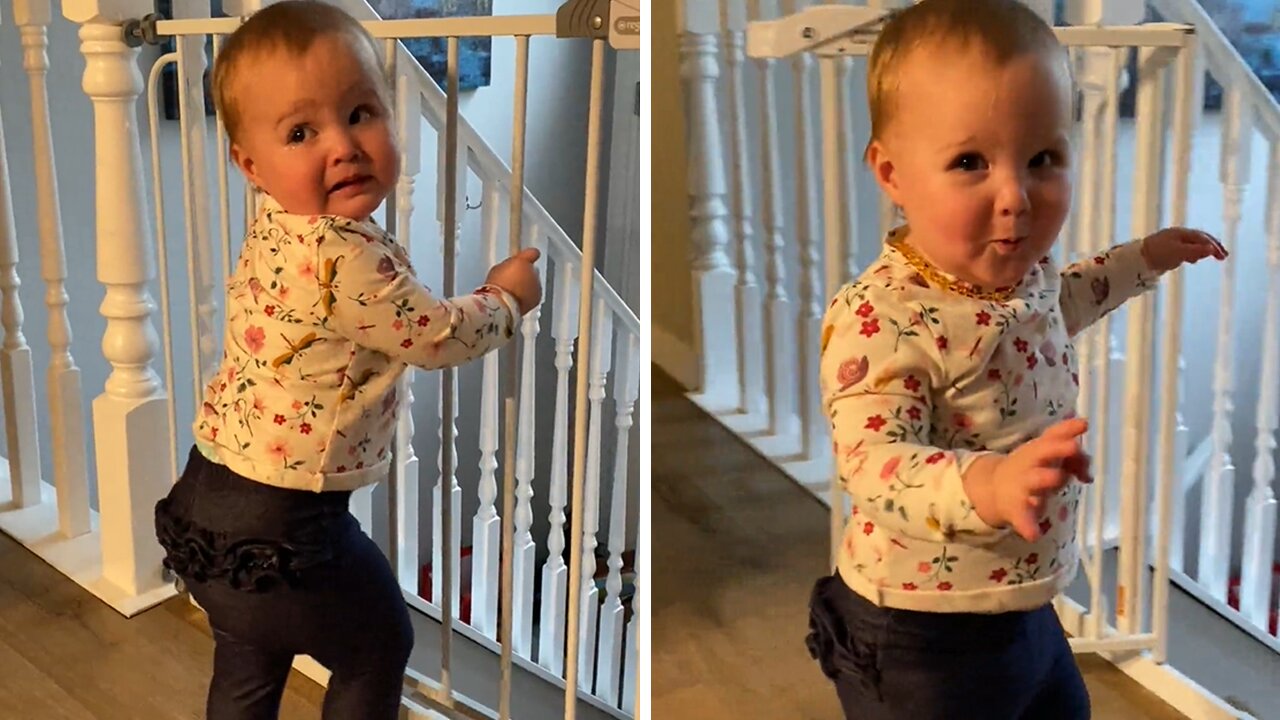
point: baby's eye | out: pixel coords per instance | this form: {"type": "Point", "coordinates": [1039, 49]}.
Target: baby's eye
{"type": "Point", "coordinates": [1047, 158]}
{"type": "Point", "coordinates": [968, 162]}
{"type": "Point", "coordinates": [297, 134]}
{"type": "Point", "coordinates": [363, 112]}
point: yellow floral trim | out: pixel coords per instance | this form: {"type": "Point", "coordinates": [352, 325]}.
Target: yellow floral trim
{"type": "Point", "coordinates": [937, 278]}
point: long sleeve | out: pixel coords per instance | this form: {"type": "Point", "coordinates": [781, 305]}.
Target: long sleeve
{"type": "Point", "coordinates": [368, 293]}
{"type": "Point", "coordinates": [880, 368]}
{"type": "Point", "coordinates": [1094, 287]}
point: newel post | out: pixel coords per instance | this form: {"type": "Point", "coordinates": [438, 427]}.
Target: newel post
{"type": "Point", "coordinates": [130, 417]}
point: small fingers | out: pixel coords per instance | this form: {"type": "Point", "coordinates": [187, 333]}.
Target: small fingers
{"type": "Point", "coordinates": [1079, 467]}
{"type": "Point", "coordinates": [1026, 525]}
{"type": "Point", "coordinates": [1071, 428]}
{"type": "Point", "coordinates": [1053, 453]}
{"type": "Point", "coordinates": [1045, 479]}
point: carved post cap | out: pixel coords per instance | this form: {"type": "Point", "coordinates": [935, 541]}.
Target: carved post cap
{"type": "Point", "coordinates": [32, 12]}
{"type": "Point", "coordinates": [110, 12]}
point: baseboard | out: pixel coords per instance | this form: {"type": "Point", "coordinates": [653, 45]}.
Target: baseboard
{"type": "Point", "coordinates": [78, 558]}
{"type": "Point", "coordinates": [1177, 690]}
{"type": "Point", "coordinates": [676, 358]}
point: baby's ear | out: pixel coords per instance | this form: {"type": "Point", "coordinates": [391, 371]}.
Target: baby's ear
{"type": "Point", "coordinates": [882, 168]}
{"type": "Point", "coordinates": [245, 163]}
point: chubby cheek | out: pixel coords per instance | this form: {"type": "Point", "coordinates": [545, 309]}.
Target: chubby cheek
{"type": "Point", "coordinates": [385, 156]}
{"type": "Point", "coordinates": [1051, 201]}
{"type": "Point", "coordinates": [957, 218]}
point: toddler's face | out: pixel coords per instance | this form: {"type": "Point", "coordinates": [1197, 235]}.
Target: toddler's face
{"type": "Point", "coordinates": [977, 157]}
{"type": "Point", "coordinates": [315, 133]}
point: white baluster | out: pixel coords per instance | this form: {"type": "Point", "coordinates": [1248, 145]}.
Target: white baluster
{"type": "Point", "coordinates": [747, 292]}
{"type": "Point", "coordinates": [486, 526]}
{"type": "Point", "coordinates": [626, 386]}
{"type": "Point", "coordinates": [564, 329]}
{"type": "Point", "coordinates": [714, 276]}
{"type": "Point", "coordinates": [1260, 506]}
{"type": "Point", "coordinates": [15, 359]}
{"type": "Point", "coordinates": [629, 669]}
{"type": "Point", "coordinates": [70, 462]}
{"type": "Point", "coordinates": [407, 483]}
{"type": "Point", "coordinates": [1182, 442]}
{"type": "Point", "coordinates": [448, 479]}
{"type": "Point", "coordinates": [131, 414]}
{"type": "Point", "coordinates": [524, 563]}
{"type": "Point", "coordinates": [1218, 492]}
{"type": "Point", "coordinates": [813, 424]}
{"type": "Point", "coordinates": [779, 316]}
{"type": "Point", "coordinates": [601, 360]}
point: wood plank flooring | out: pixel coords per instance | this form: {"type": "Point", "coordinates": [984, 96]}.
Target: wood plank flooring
{"type": "Point", "coordinates": [736, 547]}
{"type": "Point", "coordinates": [66, 656]}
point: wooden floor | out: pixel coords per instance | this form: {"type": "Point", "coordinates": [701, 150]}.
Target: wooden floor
{"type": "Point", "coordinates": [736, 547]}
{"type": "Point", "coordinates": [66, 655]}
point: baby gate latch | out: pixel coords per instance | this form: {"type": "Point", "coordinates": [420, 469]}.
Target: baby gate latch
{"type": "Point", "coordinates": [137, 32]}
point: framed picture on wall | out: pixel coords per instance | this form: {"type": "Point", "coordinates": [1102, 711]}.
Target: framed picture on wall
{"type": "Point", "coordinates": [474, 53]}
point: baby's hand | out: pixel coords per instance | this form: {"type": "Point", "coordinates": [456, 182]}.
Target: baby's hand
{"type": "Point", "coordinates": [1170, 248]}
{"type": "Point", "coordinates": [517, 276]}
{"type": "Point", "coordinates": [1010, 489]}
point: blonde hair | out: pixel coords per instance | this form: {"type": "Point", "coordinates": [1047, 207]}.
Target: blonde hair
{"type": "Point", "coordinates": [291, 26]}
{"type": "Point", "coordinates": [1000, 29]}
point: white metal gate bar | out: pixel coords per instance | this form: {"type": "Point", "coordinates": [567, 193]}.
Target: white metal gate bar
{"type": "Point", "coordinates": [512, 403]}
{"type": "Point", "coordinates": [586, 280]}
{"type": "Point", "coordinates": [162, 253]}
{"type": "Point", "coordinates": [448, 389]}
{"type": "Point", "coordinates": [1185, 102]}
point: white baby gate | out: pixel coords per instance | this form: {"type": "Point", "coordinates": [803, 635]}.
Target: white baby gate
{"type": "Point", "coordinates": [587, 635]}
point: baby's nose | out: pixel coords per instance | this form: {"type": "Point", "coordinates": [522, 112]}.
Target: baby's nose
{"type": "Point", "coordinates": [1012, 200]}
{"type": "Point", "coordinates": [345, 148]}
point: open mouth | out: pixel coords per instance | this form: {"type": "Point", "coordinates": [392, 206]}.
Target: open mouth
{"type": "Point", "coordinates": [351, 184]}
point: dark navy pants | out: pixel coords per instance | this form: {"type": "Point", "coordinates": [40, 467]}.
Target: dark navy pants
{"type": "Point", "coordinates": [283, 573]}
{"type": "Point", "coordinates": [890, 664]}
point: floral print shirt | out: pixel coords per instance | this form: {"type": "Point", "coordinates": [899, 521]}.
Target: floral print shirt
{"type": "Point", "coordinates": [918, 382]}
{"type": "Point", "coordinates": [323, 316]}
